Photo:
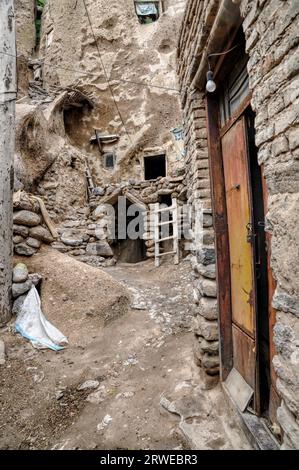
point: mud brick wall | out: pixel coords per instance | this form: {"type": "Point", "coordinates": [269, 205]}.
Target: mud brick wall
{"type": "Point", "coordinates": [272, 45]}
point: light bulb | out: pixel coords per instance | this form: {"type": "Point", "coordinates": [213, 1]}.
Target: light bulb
{"type": "Point", "coordinates": [211, 85]}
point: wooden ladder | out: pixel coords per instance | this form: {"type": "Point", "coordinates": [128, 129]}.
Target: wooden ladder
{"type": "Point", "coordinates": [89, 180]}
{"type": "Point", "coordinates": [158, 223]}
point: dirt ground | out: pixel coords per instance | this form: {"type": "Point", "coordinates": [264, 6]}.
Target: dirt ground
{"type": "Point", "coordinates": [146, 392]}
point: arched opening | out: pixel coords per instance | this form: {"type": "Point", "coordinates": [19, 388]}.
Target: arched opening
{"type": "Point", "coordinates": [128, 245]}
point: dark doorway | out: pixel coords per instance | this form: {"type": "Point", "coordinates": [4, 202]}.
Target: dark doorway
{"type": "Point", "coordinates": [128, 250]}
{"type": "Point", "coordinates": [261, 268]}
{"type": "Point", "coordinates": [154, 166]}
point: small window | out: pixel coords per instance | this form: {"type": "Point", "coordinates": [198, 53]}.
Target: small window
{"type": "Point", "coordinates": [147, 12]}
{"type": "Point", "coordinates": [49, 38]}
{"type": "Point", "coordinates": [109, 161]}
{"type": "Point", "coordinates": [154, 167]}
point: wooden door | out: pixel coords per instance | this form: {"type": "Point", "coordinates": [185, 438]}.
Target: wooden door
{"type": "Point", "coordinates": [241, 248]}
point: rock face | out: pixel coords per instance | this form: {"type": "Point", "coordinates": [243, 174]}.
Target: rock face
{"type": "Point", "coordinates": [27, 218]}
{"type": "Point", "coordinates": [20, 273]}
{"type": "Point", "coordinates": [21, 288]}
{"type": "Point", "coordinates": [126, 46]}
{"type": "Point", "coordinates": [24, 250]}
{"type": "Point", "coordinates": [41, 233]}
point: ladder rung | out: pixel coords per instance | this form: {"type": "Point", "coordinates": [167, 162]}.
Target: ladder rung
{"type": "Point", "coordinates": [166, 209]}
{"type": "Point", "coordinates": [167, 253]}
{"type": "Point", "coordinates": [165, 223]}
{"type": "Point", "coordinates": [164, 239]}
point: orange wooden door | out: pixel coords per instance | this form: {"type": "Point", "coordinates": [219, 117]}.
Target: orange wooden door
{"type": "Point", "coordinates": [241, 246]}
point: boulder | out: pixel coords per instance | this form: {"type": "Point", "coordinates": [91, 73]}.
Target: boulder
{"type": "Point", "coordinates": [71, 239]}
{"type": "Point", "coordinates": [101, 248]}
{"type": "Point", "coordinates": [33, 242]}
{"type": "Point", "coordinates": [24, 250]}
{"type": "Point", "coordinates": [206, 287]}
{"type": "Point", "coordinates": [206, 256]}
{"type": "Point", "coordinates": [35, 278]}
{"type": "Point", "coordinates": [21, 230]}
{"type": "Point", "coordinates": [27, 218]}
{"type": "Point", "coordinates": [17, 239]}
{"type": "Point", "coordinates": [205, 328]}
{"type": "Point", "coordinates": [18, 304]}
{"type": "Point", "coordinates": [20, 273]}
{"type": "Point", "coordinates": [20, 289]}
{"type": "Point", "coordinates": [26, 203]}
{"type": "Point", "coordinates": [41, 233]}
{"type": "Point", "coordinates": [208, 308]}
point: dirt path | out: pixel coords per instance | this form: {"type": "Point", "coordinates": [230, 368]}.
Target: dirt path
{"type": "Point", "coordinates": [146, 392]}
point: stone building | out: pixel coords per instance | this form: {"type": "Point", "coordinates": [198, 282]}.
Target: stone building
{"type": "Point", "coordinates": [242, 142]}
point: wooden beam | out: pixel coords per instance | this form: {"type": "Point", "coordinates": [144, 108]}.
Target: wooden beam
{"type": "Point", "coordinates": [221, 236]}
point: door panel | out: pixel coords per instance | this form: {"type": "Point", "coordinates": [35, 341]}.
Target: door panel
{"type": "Point", "coordinates": [244, 355]}
{"type": "Point", "coordinates": [238, 201]}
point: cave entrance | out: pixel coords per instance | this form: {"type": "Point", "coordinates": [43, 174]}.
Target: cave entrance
{"type": "Point", "coordinates": [129, 247]}
{"type": "Point", "coordinates": [76, 114]}
{"type": "Point", "coordinates": [154, 166]}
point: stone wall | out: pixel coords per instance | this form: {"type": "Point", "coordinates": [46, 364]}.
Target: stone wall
{"type": "Point", "coordinates": [29, 228]}
{"type": "Point", "coordinates": [84, 233]}
{"type": "Point", "coordinates": [272, 45]}
{"type": "Point", "coordinates": [270, 29]}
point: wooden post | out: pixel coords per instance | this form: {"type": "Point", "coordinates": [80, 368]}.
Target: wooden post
{"type": "Point", "coordinates": [7, 145]}
{"type": "Point", "coordinates": [221, 237]}
{"type": "Point", "coordinates": [157, 234]}
{"type": "Point", "coordinates": [175, 224]}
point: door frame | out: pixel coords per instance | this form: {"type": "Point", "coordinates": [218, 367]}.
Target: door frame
{"type": "Point", "coordinates": [215, 133]}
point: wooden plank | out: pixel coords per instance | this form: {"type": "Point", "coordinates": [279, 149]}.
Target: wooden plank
{"type": "Point", "coordinates": [167, 209]}
{"type": "Point", "coordinates": [166, 253]}
{"type": "Point", "coordinates": [244, 355]}
{"type": "Point", "coordinates": [165, 223]}
{"type": "Point", "coordinates": [157, 234]}
{"type": "Point", "coordinates": [221, 236]}
{"type": "Point", "coordinates": [238, 389]}
{"type": "Point", "coordinates": [175, 232]}
{"type": "Point", "coordinates": [166, 238]}
{"type": "Point", "coordinates": [239, 216]}
{"type": "Point", "coordinates": [98, 141]}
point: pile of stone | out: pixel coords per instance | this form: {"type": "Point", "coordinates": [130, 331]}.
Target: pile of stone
{"type": "Point", "coordinates": [81, 236]}
{"type": "Point", "coordinates": [148, 191]}
{"type": "Point", "coordinates": [22, 283]}
{"type": "Point", "coordinates": [29, 229]}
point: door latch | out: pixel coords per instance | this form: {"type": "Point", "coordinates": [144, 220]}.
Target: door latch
{"type": "Point", "coordinates": [250, 233]}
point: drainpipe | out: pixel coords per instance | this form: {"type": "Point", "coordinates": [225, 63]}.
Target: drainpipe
{"type": "Point", "coordinates": [228, 16]}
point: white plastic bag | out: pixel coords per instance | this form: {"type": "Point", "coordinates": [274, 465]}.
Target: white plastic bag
{"type": "Point", "coordinates": [33, 325]}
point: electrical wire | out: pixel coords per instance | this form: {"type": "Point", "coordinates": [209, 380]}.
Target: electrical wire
{"type": "Point", "coordinates": [105, 73]}
{"type": "Point", "coordinates": [221, 53]}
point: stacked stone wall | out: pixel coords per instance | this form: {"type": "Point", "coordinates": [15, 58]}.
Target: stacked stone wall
{"type": "Point", "coordinates": [270, 28]}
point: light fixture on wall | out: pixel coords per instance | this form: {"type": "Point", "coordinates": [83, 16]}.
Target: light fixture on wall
{"type": "Point", "coordinates": [211, 85]}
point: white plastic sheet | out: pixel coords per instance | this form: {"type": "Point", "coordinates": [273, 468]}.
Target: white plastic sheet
{"type": "Point", "coordinates": [33, 325]}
